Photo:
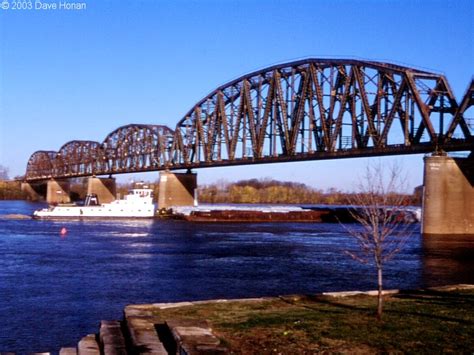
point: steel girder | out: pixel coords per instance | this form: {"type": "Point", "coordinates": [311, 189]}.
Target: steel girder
{"type": "Point", "coordinates": [40, 165]}
{"type": "Point", "coordinates": [77, 158]}
{"type": "Point", "coordinates": [305, 110]}
{"type": "Point", "coordinates": [134, 147]}
{"type": "Point", "coordinates": [461, 119]}
{"type": "Point", "coordinates": [318, 107]}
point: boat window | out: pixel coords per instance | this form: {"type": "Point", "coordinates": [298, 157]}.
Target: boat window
{"type": "Point", "coordinates": [91, 200]}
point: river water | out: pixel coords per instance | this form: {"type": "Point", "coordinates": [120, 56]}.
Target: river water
{"type": "Point", "coordinates": [54, 289]}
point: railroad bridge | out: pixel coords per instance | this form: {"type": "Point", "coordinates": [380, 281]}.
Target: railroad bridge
{"type": "Point", "coordinates": [311, 109]}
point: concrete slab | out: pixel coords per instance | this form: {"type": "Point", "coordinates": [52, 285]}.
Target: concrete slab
{"type": "Point", "coordinates": [452, 287]}
{"type": "Point", "coordinates": [355, 293]}
{"type": "Point", "coordinates": [195, 337]}
{"type": "Point", "coordinates": [88, 346]}
{"type": "Point", "coordinates": [111, 338]}
{"type": "Point", "coordinates": [143, 335]}
{"type": "Point", "coordinates": [172, 305]}
{"type": "Point", "coordinates": [68, 351]}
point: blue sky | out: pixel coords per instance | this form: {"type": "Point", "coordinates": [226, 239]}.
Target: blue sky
{"type": "Point", "coordinates": [68, 75]}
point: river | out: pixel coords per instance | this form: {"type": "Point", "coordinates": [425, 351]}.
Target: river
{"type": "Point", "coordinates": [55, 289]}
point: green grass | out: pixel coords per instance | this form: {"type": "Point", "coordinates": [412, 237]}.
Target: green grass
{"type": "Point", "coordinates": [413, 322]}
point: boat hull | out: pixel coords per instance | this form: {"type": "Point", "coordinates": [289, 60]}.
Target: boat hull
{"type": "Point", "coordinates": [93, 212]}
{"type": "Point", "coordinates": [137, 204]}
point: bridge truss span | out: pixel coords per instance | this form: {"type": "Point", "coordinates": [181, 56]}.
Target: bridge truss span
{"type": "Point", "coordinates": [134, 147]}
{"type": "Point", "coordinates": [137, 147]}
{"type": "Point", "coordinates": [40, 165]}
{"type": "Point", "coordinates": [315, 108]}
{"type": "Point", "coordinates": [77, 158]}
{"type": "Point", "coordinates": [305, 110]}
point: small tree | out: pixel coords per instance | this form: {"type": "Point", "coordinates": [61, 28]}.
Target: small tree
{"type": "Point", "coordinates": [383, 225]}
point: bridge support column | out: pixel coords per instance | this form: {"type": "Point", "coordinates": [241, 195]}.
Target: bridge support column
{"type": "Point", "coordinates": [448, 198]}
{"type": "Point", "coordinates": [104, 188]}
{"type": "Point", "coordinates": [177, 189]}
{"type": "Point", "coordinates": [58, 191]}
{"type": "Point", "coordinates": [34, 191]}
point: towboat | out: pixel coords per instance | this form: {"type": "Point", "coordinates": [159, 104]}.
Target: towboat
{"type": "Point", "coordinates": [138, 203]}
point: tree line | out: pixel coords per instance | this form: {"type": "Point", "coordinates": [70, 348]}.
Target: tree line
{"type": "Point", "coordinates": [274, 191]}
{"type": "Point", "coordinates": [11, 190]}
{"type": "Point", "coordinates": [251, 191]}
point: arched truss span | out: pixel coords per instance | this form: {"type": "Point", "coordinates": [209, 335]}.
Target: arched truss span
{"type": "Point", "coordinates": [137, 147]}
{"type": "Point", "coordinates": [317, 108]}
{"type": "Point", "coordinates": [78, 158]}
{"type": "Point", "coordinates": [305, 110]}
{"type": "Point", "coordinates": [40, 165]}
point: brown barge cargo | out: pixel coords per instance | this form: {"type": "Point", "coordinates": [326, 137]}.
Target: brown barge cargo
{"type": "Point", "coordinates": [330, 214]}
{"type": "Point", "coordinates": [256, 216]}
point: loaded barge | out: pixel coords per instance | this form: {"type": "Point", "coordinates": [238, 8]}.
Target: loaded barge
{"type": "Point", "coordinates": [272, 213]}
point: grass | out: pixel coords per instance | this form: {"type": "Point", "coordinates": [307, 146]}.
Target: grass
{"type": "Point", "coordinates": [413, 322]}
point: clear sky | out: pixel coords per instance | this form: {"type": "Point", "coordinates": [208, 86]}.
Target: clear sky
{"type": "Point", "coordinates": [79, 74]}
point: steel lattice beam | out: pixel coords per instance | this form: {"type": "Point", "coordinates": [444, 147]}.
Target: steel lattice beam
{"type": "Point", "coordinates": [305, 110]}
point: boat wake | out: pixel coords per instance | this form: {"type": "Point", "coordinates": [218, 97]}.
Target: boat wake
{"type": "Point", "coordinates": [15, 216]}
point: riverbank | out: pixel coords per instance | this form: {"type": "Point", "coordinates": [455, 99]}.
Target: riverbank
{"type": "Point", "coordinates": [434, 320]}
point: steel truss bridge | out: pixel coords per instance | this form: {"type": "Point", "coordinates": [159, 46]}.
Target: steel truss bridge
{"type": "Point", "coordinates": [306, 110]}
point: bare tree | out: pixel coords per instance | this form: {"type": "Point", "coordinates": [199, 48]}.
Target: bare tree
{"type": "Point", "coordinates": [383, 223]}
{"type": "Point", "coordinates": [3, 173]}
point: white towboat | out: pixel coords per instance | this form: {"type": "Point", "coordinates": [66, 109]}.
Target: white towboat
{"type": "Point", "coordinates": [138, 203]}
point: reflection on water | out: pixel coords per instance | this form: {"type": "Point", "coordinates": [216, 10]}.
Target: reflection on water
{"type": "Point", "coordinates": [448, 259]}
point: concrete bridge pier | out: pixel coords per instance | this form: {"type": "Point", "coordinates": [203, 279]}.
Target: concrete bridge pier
{"type": "Point", "coordinates": [104, 188]}
{"type": "Point", "coordinates": [448, 197]}
{"type": "Point", "coordinates": [177, 189]}
{"type": "Point", "coordinates": [58, 191]}
{"type": "Point", "coordinates": [35, 191]}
